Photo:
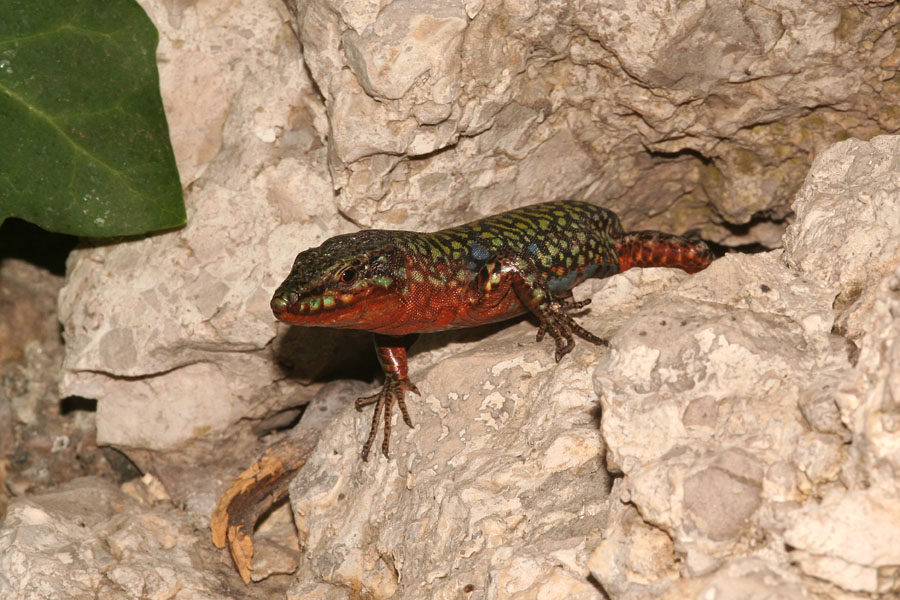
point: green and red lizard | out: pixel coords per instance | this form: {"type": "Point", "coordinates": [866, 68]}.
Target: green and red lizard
{"type": "Point", "coordinates": [395, 283]}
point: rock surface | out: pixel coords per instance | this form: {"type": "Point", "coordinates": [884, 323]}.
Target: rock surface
{"type": "Point", "coordinates": [43, 442]}
{"type": "Point", "coordinates": [742, 411]}
{"type": "Point", "coordinates": [854, 190]}
{"type": "Point", "coordinates": [466, 107]}
{"type": "Point", "coordinates": [172, 333]}
{"type": "Point", "coordinates": [493, 493]}
{"type": "Point", "coordinates": [432, 113]}
{"type": "Point", "coordinates": [87, 539]}
{"type": "Point", "coordinates": [734, 414]}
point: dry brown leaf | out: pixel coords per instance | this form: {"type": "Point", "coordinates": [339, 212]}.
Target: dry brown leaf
{"type": "Point", "coordinates": [250, 495]}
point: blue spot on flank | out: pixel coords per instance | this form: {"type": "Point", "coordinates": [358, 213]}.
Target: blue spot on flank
{"type": "Point", "coordinates": [559, 285]}
{"type": "Point", "coordinates": [478, 252]}
{"type": "Point", "coordinates": [608, 270]}
{"type": "Point", "coordinates": [589, 271]}
{"type": "Point", "coordinates": [532, 248]}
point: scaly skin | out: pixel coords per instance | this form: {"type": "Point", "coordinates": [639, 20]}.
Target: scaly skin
{"type": "Point", "coordinates": [395, 283]}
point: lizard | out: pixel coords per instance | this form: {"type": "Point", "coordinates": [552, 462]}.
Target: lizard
{"type": "Point", "coordinates": [527, 260]}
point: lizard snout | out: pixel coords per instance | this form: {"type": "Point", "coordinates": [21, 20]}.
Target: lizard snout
{"type": "Point", "coordinates": [279, 304]}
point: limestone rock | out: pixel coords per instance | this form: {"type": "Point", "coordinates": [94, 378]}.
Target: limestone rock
{"type": "Point", "coordinates": [738, 421]}
{"type": "Point", "coordinates": [700, 394]}
{"type": "Point", "coordinates": [635, 558]}
{"type": "Point", "coordinates": [746, 578]}
{"type": "Point", "coordinates": [729, 406]}
{"type": "Point", "coordinates": [26, 295]}
{"type": "Point", "coordinates": [850, 410]}
{"type": "Point", "coordinates": [851, 538]}
{"type": "Point", "coordinates": [499, 491]}
{"type": "Point", "coordinates": [171, 333]}
{"type": "Point", "coordinates": [475, 105]}
{"type": "Point", "coordinates": [848, 217]}
{"type": "Point", "coordinates": [87, 539]}
{"type": "Point", "coordinates": [869, 399]}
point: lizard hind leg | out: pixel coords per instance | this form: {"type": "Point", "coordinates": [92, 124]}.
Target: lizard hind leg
{"type": "Point", "coordinates": [561, 326]}
{"type": "Point", "coordinates": [567, 326]}
{"type": "Point", "coordinates": [530, 286]}
{"type": "Point", "coordinates": [568, 304]}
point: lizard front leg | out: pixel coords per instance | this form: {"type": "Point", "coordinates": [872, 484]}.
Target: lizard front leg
{"type": "Point", "coordinates": [391, 353]}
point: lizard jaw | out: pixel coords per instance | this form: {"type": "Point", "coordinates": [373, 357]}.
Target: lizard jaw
{"type": "Point", "coordinates": [338, 310]}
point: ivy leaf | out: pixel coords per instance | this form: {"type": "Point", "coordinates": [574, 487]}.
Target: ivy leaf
{"type": "Point", "coordinates": [84, 143]}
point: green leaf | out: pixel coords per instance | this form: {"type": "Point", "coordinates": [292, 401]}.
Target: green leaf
{"type": "Point", "coordinates": [84, 144]}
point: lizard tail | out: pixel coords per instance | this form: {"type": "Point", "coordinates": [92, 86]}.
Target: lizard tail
{"type": "Point", "coordinates": [655, 249]}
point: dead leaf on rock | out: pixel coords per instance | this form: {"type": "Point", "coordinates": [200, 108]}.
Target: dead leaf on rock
{"type": "Point", "coordinates": [253, 493]}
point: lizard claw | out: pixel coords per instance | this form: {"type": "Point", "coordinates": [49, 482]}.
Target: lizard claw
{"type": "Point", "coordinates": [394, 389]}
{"type": "Point", "coordinates": [561, 328]}
{"type": "Point", "coordinates": [567, 304]}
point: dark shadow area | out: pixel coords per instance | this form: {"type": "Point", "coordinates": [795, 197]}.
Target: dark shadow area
{"type": "Point", "coordinates": [121, 465]}
{"type": "Point", "coordinates": [268, 512]}
{"type": "Point", "coordinates": [283, 420]}
{"type": "Point", "coordinates": [598, 586]}
{"type": "Point", "coordinates": [319, 354]}
{"type": "Point", "coordinates": [73, 404]}
{"type": "Point", "coordinates": [432, 341]}
{"type": "Point", "coordinates": [720, 250]}
{"type": "Point", "coordinates": [741, 230]}
{"type": "Point", "coordinates": [20, 239]}
{"type": "Point", "coordinates": [597, 414]}
{"type": "Point", "coordinates": [683, 153]}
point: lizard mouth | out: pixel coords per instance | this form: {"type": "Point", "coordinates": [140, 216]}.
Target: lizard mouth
{"type": "Point", "coordinates": [279, 305]}
{"type": "Point", "coordinates": [289, 307]}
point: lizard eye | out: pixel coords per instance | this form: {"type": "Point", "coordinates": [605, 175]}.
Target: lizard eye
{"type": "Point", "coordinates": [348, 275]}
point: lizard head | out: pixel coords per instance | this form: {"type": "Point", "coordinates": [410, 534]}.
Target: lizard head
{"type": "Point", "coordinates": [346, 282]}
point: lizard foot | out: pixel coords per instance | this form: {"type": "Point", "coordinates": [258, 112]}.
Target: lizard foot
{"type": "Point", "coordinates": [535, 295]}
{"type": "Point", "coordinates": [394, 389]}
{"type": "Point", "coordinates": [561, 326]}
{"type": "Point", "coordinates": [568, 304]}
